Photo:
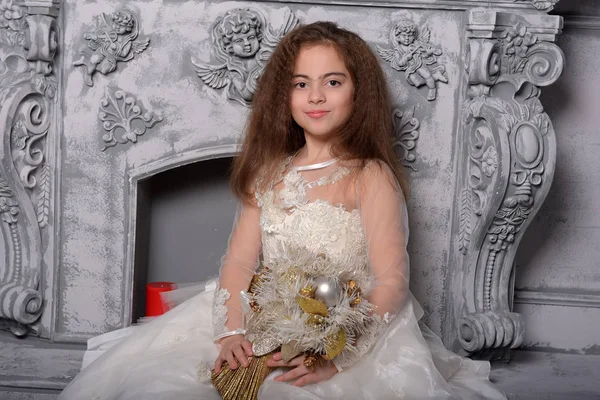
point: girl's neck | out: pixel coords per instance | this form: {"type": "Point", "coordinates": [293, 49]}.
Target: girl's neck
{"type": "Point", "coordinates": [313, 152]}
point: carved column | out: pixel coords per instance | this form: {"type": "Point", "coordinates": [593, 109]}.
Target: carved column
{"type": "Point", "coordinates": [507, 153]}
{"type": "Point", "coordinates": [28, 45]}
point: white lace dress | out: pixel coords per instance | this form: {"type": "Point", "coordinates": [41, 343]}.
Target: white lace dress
{"type": "Point", "coordinates": [357, 219]}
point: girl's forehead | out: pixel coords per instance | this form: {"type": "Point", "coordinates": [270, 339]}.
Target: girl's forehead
{"type": "Point", "coordinates": [318, 56]}
{"type": "Point", "coordinates": [320, 61]}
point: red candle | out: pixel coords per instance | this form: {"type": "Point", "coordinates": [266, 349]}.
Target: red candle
{"type": "Point", "coordinates": [154, 304]}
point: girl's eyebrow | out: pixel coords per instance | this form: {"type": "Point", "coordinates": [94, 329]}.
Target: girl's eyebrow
{"type": "Point", "coordinates": [327, 75]}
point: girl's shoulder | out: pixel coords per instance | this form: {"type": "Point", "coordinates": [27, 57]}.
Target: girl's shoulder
{"type": "Point", "coordinates": [366, 169]}
{"type": "Point", "coordinates": [377, 175]}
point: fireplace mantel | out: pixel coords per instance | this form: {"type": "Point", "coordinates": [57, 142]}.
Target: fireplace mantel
{"type": "Point", "coordinates": [83, 126]}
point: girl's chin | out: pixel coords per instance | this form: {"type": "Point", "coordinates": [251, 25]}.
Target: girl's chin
{"type": "Point", "coordinates": [319, 134]}
{"type": "Point", "coordinates": [319, 131]}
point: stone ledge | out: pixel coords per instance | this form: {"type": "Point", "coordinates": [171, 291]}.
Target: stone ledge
{"type": "Point", "coordinates": [530, 374]}
{"type": "Point", "coordinates": [37, 364]}
{"type": "Point", "coordinates": [28, 395]}
{"type": "Point", "coordinates": [534, 375]}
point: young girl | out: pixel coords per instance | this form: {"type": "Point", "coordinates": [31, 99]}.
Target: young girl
{"type": "Point", "coordinates": [317, 171]}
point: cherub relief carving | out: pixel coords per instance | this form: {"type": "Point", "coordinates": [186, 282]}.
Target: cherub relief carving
{"type": "Point", "coordinates": [243, 43]}
{"type": "Point", "coordinates": [413, 54]}
{"type": "Point", "coordinates": [113, 40]}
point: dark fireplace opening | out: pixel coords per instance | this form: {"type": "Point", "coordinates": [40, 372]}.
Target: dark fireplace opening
{"type": "Point", "coordinates": [184, 219]}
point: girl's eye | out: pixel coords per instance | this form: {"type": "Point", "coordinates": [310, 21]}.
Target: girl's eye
{"type": "Point", "coordinates": [300, 85]}
{"type": "Point", "coordinates": [333, 83]}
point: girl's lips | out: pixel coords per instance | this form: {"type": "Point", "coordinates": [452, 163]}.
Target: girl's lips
{"type": "Point", "coordinates": [316, 114]}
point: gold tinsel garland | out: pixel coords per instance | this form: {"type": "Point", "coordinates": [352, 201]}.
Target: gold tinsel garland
{"type": "Point", "coordinates": [242, 383]}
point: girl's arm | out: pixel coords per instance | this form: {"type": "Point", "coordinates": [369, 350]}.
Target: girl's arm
{"type": "Point", "coordinates": [384, 220]}
{"type": "Point", "coordinates": [237, 268]}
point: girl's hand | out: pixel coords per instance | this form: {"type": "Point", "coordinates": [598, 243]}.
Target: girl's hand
{"type": "Point", "coordinates": [235, 350]}
{"type": "Point", "coordinates": [300, 374]}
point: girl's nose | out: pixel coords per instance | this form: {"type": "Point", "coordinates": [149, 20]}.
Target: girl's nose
{"type": "Point", "coordinates": [316, 95]}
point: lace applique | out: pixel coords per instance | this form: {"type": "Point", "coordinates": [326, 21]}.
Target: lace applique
{"type": "Point", "coordinates": [204, 372]}
{"type": "Point", "coordinates": [318, 225]}
{"type": "Point", "coordinates": [219, 311]}
{"type": "Point", "coordinates": [177, 339]}
{"type": "Point", "coordinates": [260, 180]}
{"type": "Point", "coordinates": [270, 214]}
{"type": "Point", "coordinates": [338, 174]}
{"type": "Point", "coordinates": [321, 226]}
{"type": "Point", "coordinates": [364, 343]}
{"type": "Point", "coordinates": [293, 193]}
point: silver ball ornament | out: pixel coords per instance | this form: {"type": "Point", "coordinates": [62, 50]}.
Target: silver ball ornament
{"type": "Point", "coordinates": [327, 290]}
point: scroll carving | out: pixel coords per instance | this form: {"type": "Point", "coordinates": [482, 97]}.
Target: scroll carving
{"type": "Point", "coordinates": [507, 167]}
{"type": "Point", "coordinates": [113, 41]}
{"type": "Point", "coordinates": [243, 42]}
{"type": "Point", "coordinates": [28, 44]}
{"type": "Point", "coordinates": [28, 139]}
{"type": "Point", "coordinates": [121, 114]}
{"type": "Point", "coordinates": [413, 54]}
{"type": "Point", "coordinates": [406, 135]}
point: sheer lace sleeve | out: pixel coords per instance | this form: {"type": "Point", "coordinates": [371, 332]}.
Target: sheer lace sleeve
{"type": "Point", "coordinates": [237, 268]}
{"type": "Point", "coordinates": [384, 220]}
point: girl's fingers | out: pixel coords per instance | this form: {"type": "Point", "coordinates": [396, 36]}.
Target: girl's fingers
{"type": "Point", "coordinates": [234, 356]}
{"type": "Point", "coordinates": [292, 363]}
{"type": "Point", "coordinates": [231, 361]}
{"type": "Point", "coordinates": [247, 347]}
{"type": "Point", "coordinates": [276, 361]}
{"type": "Point", "coordinates": [218, 364]}
{"type": "Point", "coordinates": [293, 374]}
{"type": "Point", "coordinates": [240, 355]}
{"type": "Point", "coordinates": [306, 379]}
{"type": "Point", "coordinates": [272, 362]}
{"type": "Point", "coordinates": [320, 374]}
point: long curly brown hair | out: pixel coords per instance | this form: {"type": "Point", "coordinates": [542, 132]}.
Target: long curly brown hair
{"type": "Point", "coordinates": [271, 132]}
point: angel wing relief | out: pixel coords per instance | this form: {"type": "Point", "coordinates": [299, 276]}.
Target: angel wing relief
{"type": "Point", "coordinates": [413, 54]}
{"type": "Point", "coordinates": [242, 45]}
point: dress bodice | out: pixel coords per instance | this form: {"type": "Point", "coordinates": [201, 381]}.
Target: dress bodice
{"type": "Point", "coordinates": [317, 225]}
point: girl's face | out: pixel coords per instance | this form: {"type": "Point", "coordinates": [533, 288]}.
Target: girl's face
{"type": "Point", "coordinates": [322, 91]}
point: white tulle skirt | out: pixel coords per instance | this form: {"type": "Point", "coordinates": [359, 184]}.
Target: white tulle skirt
{"type": "Point", "coordinates": [166, 358]}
